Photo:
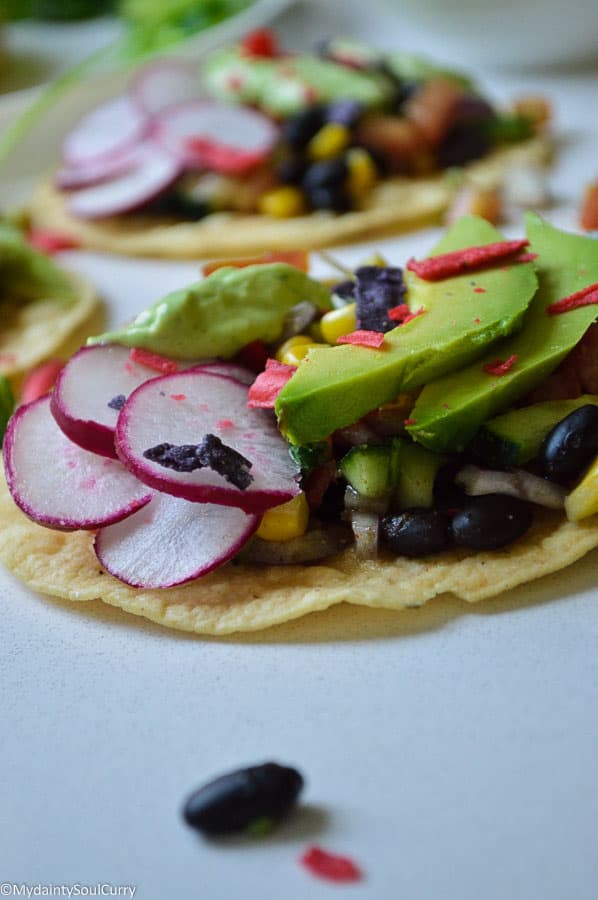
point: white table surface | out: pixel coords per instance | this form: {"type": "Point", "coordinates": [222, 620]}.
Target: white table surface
{"type": "Point", "coordinates": [450, 750]}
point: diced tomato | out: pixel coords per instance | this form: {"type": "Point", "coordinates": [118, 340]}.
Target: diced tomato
{"type": "Point", "coordinates": [268, 384]}
{"type": "Point", "coordinates": [297, 258]}
{"type": "Point", "coordinates": [371, 339]}
{"type": "Point", "coordinates": [261, 42]}
{"type": "Point", "coordinates": [47, 241]}
{"type": "Point", "coordinates": [446, 265]}
{"type": "Point", "coordinates": [41, 380]}
{"type": "Point", "coordinates": [154, 361]}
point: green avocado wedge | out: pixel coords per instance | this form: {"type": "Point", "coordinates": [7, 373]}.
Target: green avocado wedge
{"type": "Point", "coordinates": [335, 386]}
{"type": "Point", "coordinates": [449, 412]}
{"type": "Point", "coordinates": [26, 274]}
{"type": "Point", "coordinates": [221, 314]}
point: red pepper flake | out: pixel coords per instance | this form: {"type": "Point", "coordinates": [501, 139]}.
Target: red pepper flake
{"type": "Point", "coordinates": [261, 42]}
{"type": "Point", "coordinates": [446, 265]}
{"type": "Point", "coordinates": [587, 296]}
{"type": "Point", "coordinates": [477, 321]}
{"type": "Point", "coordinates": [371, 339]}
{"type": "Point", "coordinates": [402, 313]}
{"type": "Point", "coordinates": [48, 241]}
{"type": "Point", "coordinates": [500, 366]}
{"type": "Point", "coordinates": [407, 422]}
{"type": "Point", "coordinates": [154, 361]}
{"type": "Point", "coordinates": [330, 866]}
{"type": "Point", "coordinates": [479, 290]}
{"type": "Point", "coordinates": [225, 423]}
{"type": "Point", "coordinates": [178, 396]}
{"type": "Point", "coordinates": [268, 384]}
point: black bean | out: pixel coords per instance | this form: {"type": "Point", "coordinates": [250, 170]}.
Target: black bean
{"type": "Point", "coordinates": [299, 129]}
{"type": "Point", "coordinates": [345, 112]}
{"type": "Point", "coordinates": [571, 445]}
{"type": "Point", "coordinates": [415, 532]}
{"type": "Point", "coordinates": [246, 798]}
{"type": "Point", "coordinates": [465, 142]}
{"type": "Point", "coordinates": [491, 521]}
{"type": "Point", "coordinates": [327, 173]}
{"type": "Point", "coordinates": [332, 198]}
{"type": "Point", "coordinates": [291, 170]}
{"type": "Point", "coordinates": [448, 496]}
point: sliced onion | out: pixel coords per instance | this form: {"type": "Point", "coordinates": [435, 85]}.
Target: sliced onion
{"type": "Point", "coordinates": [309, 547]}
{"type": "Point", "coordinates": [365, 529]}
{"type": "Point", "coordinates": [298, 318]}
{"type": "Point", "coordinates": [357, 502]}
{"type": "Point", "coordinates": [517, 483]}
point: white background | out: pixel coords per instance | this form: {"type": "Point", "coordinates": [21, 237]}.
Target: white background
{"type": "Point", "coordinates": [451, 750]}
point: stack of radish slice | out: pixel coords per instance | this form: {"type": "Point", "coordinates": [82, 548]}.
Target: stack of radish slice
{"type": "Point", "coordinates": [76, 460]}
{"type": "Point", "coordinates": [129, 150]}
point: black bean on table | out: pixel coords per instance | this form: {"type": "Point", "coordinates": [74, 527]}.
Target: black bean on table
{"type": "Point", "coordinates": [490, 521]}
{"type": "Point", "coordinates": [571, 445]}
{"type": "Point", "coordinates": [415, 532]}
{"type": "Point", "coordinates": [243, 799]}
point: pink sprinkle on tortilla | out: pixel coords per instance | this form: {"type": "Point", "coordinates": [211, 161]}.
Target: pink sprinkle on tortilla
{"type": "Point", "coordinates": [371, 339]}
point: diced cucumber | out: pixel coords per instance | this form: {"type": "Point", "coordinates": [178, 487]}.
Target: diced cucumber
{"type": "Point", "coordinates": [514, 438]}
{"type": "Point", "coordinates": [417, 471]}
{"type": "Point", "coordinates": [308, 456]}
{"type": "Point", "coordinates": [371, 469]}
{"type": "Point", "coordinates": [6, 404]}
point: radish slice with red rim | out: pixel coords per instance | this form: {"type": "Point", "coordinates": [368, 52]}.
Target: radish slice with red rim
{"type": "Point", "coordinates": [171, 541]}
{"type": "Point", "coordinates": [218, 136]}
{"type": "Point", "coordinates": [71, 177]}
{"type": "Point", "coordinates": [182, 409]}
{"type": "Point", "coordinates": [154, 172]}
{"type": "Point", "coordinates": [59, 485]}
{"type": "Point", "coordinates": [106, 131]}
{"type": "Point", "coordinates": [90, 392]}
{"type": "Point", "coordinates": [231, 370]}
{"type": "Point", "coordinates": [163, 84]}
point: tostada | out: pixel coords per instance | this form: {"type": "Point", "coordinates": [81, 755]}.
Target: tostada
{"type": "Point", "coordinates": [413, 431]}
{"type": "Point", "coordinates": [262, 149]}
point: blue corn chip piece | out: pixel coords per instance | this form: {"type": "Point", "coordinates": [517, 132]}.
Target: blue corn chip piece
{"type": "Point", "coordinates": [117, 402]}
{"type": "Point", "coordinates": [210, 453]}
{"type": "Point", "coordinates": [377, 289]}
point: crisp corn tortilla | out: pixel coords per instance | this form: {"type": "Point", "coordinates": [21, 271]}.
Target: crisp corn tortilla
{"type": "Point", "coordinates": [241, 598]}
{"type": "Point", "coordinates": [396, 204]}
{"type": "Point", "coordinates": [33, 331]}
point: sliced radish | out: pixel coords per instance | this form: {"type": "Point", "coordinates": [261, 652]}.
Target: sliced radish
{"type": "Point", "coordinates": [163, 84]}
{"type": "Point", "coordinates": [71, 177]}
{"type": "Point", "coordinates": [218, 136]}
{"type": "Point", "coordinates": [154, 172]}
{"type": "Point", "coordinates": [171, 541]}
{"type": "Point", "coordinates": [180, 410]}
{"type": "Point", "coordinates": [106, 131]}
{"type": "Point", "coordinates": [59, 485]}
{"type": "Point", "coordinates": [85, 402]}
{"type": "Point", "coordinates": [231, 370]}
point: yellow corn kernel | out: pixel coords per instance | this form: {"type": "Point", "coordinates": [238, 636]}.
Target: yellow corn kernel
{"type": "Point", "coordinates": [374, 259]}
{"type": "Point", "coordinates": [296, 341]}
{"type": "Point", "coordinates": [285, 522]}
{"type": "Point", "coordinates": [298, 353]}
{"type": "Point", "coordinates": [329, 142]}
{"type": "Point", "coordinates": [583, 500]}
{"type": "Point", "coordinates": [337, 322]}
{"type": "Point", "coordinates": [282, 202]}
{"type": "Point", "coordinates": [363, 174]}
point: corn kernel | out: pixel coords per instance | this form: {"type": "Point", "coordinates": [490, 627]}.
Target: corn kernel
{"type": "Point", "coordinates": [329, 142]}
{"type": "Point", "coordinates": [363, 174]}
{"type": "Point", "coordinates": [285, 522]}
{"type": "Point", "coordinates": [296, 341]}
{"type": "Point", "coordinates": [282, 202]}
{"type": "Point", "coordinates": [337, 322]}
{"type": "Point", "coordinates": [298, 353]}
{"type": "Point", "coordinates": [583, 500]}
{"type": "Point", "coordinates": [374, 259]}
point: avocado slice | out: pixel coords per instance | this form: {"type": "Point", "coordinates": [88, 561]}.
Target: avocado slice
{"type": "Point", "coordinates": [449, 412]}
{"type": "Point", "coordinates": [335, 386]}
{"type": "Point", "coordinates": [515, 437]}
